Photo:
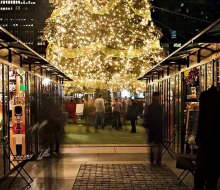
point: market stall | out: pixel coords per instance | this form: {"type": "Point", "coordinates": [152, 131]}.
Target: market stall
{"type": "Point", "coordinates": [22, 76]}
{"type": "Point", "coordinates": [180, 78]}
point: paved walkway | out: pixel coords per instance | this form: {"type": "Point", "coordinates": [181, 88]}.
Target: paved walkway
{"type": "Point", "coordinates": [126, 177]}
{"type": "Point", "coordinates": [57, 174]}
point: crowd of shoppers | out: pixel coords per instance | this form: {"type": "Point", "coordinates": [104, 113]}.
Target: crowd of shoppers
{"type": "Point", "coordinates": [124, 111]}
{"type": "Point", "coordinates": [127, 109]}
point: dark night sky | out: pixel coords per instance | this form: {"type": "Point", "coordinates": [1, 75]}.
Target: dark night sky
{"type": "Point", "coordinates": [186, 28]}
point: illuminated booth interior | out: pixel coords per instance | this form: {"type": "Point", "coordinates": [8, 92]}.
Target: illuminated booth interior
{"type": "Point", "coordinates": [180, 78]}
{"type": "Point", "coordinates": [25, 77]}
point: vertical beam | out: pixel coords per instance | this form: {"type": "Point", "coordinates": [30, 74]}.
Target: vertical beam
{"type": "Point", "coordinates": [41, 71]}
{"type": "Point", "coordinates": [217, 72]}
{"type": "Point", "coordinates": [5, 161]}
{"type": "Point", "coordinates": [168, 71]}
{"type": "Point", "coordinates": [213, 72]}
{"type": "Point", "coordinates": [199, 56]}
{"type": "Point", "coordinates": [182, 107]}
{"type": "Point", "coordinates": [206, 77]}
{"type": "Point", "coordinates": [21, 61]}
{"type": "Point", "coordinates": [29, 68]}
{"type": "Point", "coordinates": [9, 56]}
{"type": "Point", "coordinates": [179, 67]}
{"type": "Point", "coordinates": [187, 61]}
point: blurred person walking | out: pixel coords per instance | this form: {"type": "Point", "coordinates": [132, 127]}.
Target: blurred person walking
{"type": "Point", "coordinates": [132, 114]}
{"type": "Point", "coordinates": [123, 111]}
{"type": "Point", "coordinates": [117, 108]}
{"type": "Point", "coordinates": [54, 122]}
{"type": "Point", "coordinates": [154, 124]}
{"type": "Point", "coordinates": [89, 111]}
{"type": "Point", "coordinates": [100, 111]}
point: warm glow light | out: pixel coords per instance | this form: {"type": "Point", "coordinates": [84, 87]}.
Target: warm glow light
{"type": "Point", "coordinates": [46, 81]}
{"type": "Point", "coordinates": [125, 93]}
{"type": "Point", "coordinates": [103, 44]}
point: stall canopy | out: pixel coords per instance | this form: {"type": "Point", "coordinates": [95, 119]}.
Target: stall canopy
{"type": "Point", "coordinates": [201, 46]}
{"type": "Point", "coordinates": [11, 48]}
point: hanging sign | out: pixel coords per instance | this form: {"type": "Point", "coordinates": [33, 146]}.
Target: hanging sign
{"type": "Point", "coordinates": [79, 109]}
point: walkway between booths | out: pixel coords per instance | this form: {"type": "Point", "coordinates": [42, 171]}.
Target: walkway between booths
{"type": "Point", "coordinates": [52, 174]}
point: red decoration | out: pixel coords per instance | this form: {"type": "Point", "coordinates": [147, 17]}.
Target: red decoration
{"type": "Point", "coordinates": [192, 76]}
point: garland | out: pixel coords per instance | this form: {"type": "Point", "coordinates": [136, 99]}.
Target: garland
{"type": "Point", "coordinates": [99, 47]}
{"type": "Point", "coordinates": [105, 10]}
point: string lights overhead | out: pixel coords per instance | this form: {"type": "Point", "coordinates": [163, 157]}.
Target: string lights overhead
{"type": "Point", "coordinates": [104, 44]}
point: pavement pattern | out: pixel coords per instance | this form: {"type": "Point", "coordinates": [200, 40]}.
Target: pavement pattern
{"type": "Point", "coordinates": [126, 177]}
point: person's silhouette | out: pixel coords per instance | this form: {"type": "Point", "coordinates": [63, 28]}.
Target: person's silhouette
{"type": "Point", "coordinates": [154, 124]}
{"type": "Point", "coordinates": [207, 139]}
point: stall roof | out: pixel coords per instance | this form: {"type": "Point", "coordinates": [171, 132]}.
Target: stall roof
{"type": "Point", "coordinates": [9, 42]}
{"type": "Point", "coordinates": [202, 43]}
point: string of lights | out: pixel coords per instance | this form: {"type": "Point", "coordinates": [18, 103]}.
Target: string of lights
{"type": "Point", "coordinates": [168, 28]}
{"type": "Point", "coordinates": [181, 14]}
{"type": "Point", "coordinates": [108, 46]}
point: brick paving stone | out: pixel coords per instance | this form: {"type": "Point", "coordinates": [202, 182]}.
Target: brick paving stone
{"type": "Point", "coordinates": [126, 177]}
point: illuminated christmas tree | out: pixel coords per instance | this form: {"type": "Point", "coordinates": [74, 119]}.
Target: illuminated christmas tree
{"type": "Point", "coordinates": [103, 44]}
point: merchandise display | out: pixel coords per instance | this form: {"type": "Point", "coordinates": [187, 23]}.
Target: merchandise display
{"type": "Point", "coordinates": [192, 113]}
{"type": "Point", "coordinates": [21, 95]}
{"type": "Point", "coordinates": [192, 84]}
{"type": "Point", "coordinates": [17, 109]}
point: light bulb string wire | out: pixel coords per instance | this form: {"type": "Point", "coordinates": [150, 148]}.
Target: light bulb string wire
{"type": "Point", "coordinates": [180, 14]}
{"type": "Point", "coordinates": [168, 28]}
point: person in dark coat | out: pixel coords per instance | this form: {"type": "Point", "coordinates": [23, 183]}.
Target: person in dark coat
{"type": "Point", "coordinates": [154, 124]}
{"type": "Point", "coordinates": [117, 108]}
{"type": "Point", "coordinates": [55, 120]}
{"type": "Point", "coordinates": [132, 114]}
{"type": "Point", "coordinates": [208, 141]}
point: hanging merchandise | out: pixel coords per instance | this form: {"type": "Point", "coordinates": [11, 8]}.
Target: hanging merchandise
{"type": "Point", "coordinates": [191, 81]}
{"type": "Point", "coordinates": [192, 77]}
{"type": "Point", "coordinates": [17, 111]}
{"type": "Point", "coordinates": [12, 87]}
{"type": "Point", "coordinates": [23, 87]}
{"type": "Point", "coordinates": [21, 73]}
